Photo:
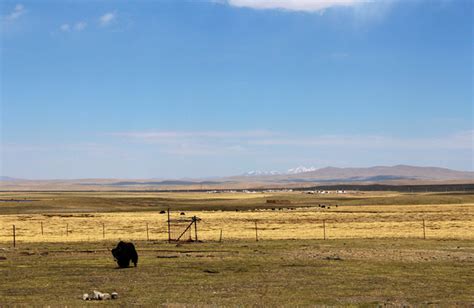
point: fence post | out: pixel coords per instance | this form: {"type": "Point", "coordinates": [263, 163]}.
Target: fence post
{"type": "Point", "coordinates": [14, 236]}
{"type": "Point", "coordinates": [220, 237]}
{"type": "Point", "coordinates": [256, 231]}
{"type": "Point", "coordinates": [424, 231]}
{"type": "Point", "coordinates": [42, 228]}
{"type": "Point", "coordinates": [195, 228]}
{"type": "Point", "coordinates": [67, 230]}
{"type": "Point", "coordinates": [324, 229]}
{"type": "Point", "coordinates": [103, 231]}
{"type": "Point", "coordinates": [147, 238]}
{"type": "Point", "coordinates": [169, 227]}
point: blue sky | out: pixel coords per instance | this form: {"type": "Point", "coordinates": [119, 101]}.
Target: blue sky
{"type": "Point", "coordinates": [171, 89]}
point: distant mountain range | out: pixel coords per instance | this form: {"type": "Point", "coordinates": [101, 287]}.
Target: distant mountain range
{"type": "Point", "coordinates": [371, 174]}
{"type": "Point", "coordinates": [296, 170]}
{"type": "Point", "coordinates": [302, 176]}
{"type": "Point", "coordinates": [7, 178]}
{"type": "Point", "coordinates": [261, 173]}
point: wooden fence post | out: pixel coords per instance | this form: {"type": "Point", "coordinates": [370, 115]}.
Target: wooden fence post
{"type": "Point", "coordinates": [169, 227]}
{"type": "Point", "coordinates": [14, 236]}
{"type": "Point", "coordinates": [42, 233]}
{"type": "Point", "coordinates": [324, 229]}
{"type": "Point", "coordinates": [256, 231]}
{"type": "Point", "coordinates": [424, 231]}
{"type": "Point", "coordinates": [67, 230]}
{"type": "Point", "coordinates": [195, 228]}
{"type": "Point", "coordinates": [220, 237]}
{"type": "Point", "coordinates": [103, 231]}
{"type": "Point", "coordinates": [147, 238]}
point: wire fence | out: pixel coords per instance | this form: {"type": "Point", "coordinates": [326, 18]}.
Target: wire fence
{"type": "Point", "coordinates": [222, 226]}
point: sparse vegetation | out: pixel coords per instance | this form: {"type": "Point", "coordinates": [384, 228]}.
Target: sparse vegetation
{"type": "Point", "coordinates": [374, 254]}
{"type": "Point", "coordinates": [267, 273]}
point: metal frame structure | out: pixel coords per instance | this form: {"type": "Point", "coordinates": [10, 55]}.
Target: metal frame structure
{"type": "Point", "coordinates": [192, 221]}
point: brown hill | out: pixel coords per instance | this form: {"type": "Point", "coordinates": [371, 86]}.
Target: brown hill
{"type": "Point", "coordinates": [371, 174]}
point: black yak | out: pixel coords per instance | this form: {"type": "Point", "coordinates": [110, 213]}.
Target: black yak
{"type": "Point", "coordinates": [124, 253]}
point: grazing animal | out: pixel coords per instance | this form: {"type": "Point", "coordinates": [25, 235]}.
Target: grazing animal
{"type": "Point", "coordinates": [124, 253]}
{"type": "Point", "coordinates": [182, 213]}
{"type": "Point", "coordinates": [162, 212]}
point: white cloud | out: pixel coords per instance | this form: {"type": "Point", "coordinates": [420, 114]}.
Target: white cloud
{"type": "Point", "coordinates": [79, 26]}
{"type": "Point", "coordinates": [218, 139]}
{"type": "Point", "coordinates": [17, 12]}
{"type": "Point", "coordinates": [65, 27]}
{"type": "Point", "coordinates": [223, 152]}
{"type": "Point", "coordinates": [339, 55]}
{"type": "Point", "coordinates": [107, 18]}
{"type": "Point", "coordinates": [295, 5]}
{"type": "Point", "coordinates": [163, 135]}
{"type": "Point", "coordinates": [197, 142]}
{"type": "Point", "coordinates": [457, 141]}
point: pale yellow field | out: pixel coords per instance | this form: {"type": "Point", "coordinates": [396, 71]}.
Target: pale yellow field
{"type": "Point", "coordinates": [388, 221]}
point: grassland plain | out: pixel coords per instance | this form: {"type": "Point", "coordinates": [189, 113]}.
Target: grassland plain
{"type": "Point", "coordinates": [441, 222]}
{"type": "Point", "coordinates": [245, 273]}
{"type": "Point", "coordinates": [62, 202]}
{"type": "Point", "coordinates": [53, 217]}
{"type": "Point", "coordinates": [374, 252]}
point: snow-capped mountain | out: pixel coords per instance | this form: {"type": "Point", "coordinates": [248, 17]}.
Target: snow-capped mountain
{"type": "Point", "coordinates": [296, 170]}
{"type": "Point", "coordinates": [373, 174]}
{"type": "Point", "coordinates": [259, 173]}
{"type": "Point", "coordinates": [300, 169]}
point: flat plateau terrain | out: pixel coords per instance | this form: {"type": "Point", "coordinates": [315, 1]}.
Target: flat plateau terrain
{"type": "Point", "coordinates": [374, 252]}
{"type": "Point", "coordinates": [235, 273]}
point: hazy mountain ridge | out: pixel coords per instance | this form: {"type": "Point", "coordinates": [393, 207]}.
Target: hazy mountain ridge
{"type": "Point", "coordinates": [7, 178]}
{"type": "Point", "coordinates": [297, 170]}
{"type": "Point", "coordinates": [376, 173]}
{"type": "Point", "coordinates": [300, 169]}
{"type": "Point", "coordinates": [400, 174]}
{"type": "Point", "coordinates": [261, 173]}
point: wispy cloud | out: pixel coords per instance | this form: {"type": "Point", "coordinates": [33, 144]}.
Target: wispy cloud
{"type": "Point", "coordinates": [460, 140]}
{"type": "Point", "coordinates": [163, 135]}
{"type": "Point", "coordinates": [65, 27]}
{"type": "Point", "coordinates": [107, 18]}
{"type": "Point", "coordinates": [197, 142]}
{"type": "Point", "coordinates": [339, 55]}
{"type": "Point", "coordinates": [214, 141]}
{"type": "Point", "coordinates": [257, 142]}
{"type": "Point", "coordinates": [295, 5]}
{"type": "Point", "coordinates": [17, 12]}
{"type": "Point", "coordinates": [364, 12]}
{"type": "Point", "coordinates": [79, 26]}
{"type": "Point", "coordinates": [224, 152]}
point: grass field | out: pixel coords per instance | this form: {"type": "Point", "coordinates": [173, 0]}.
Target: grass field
{"type": "Point", "coordinates": [393, 221]}
{"type": "Point", "coordinates": [86, 202]}
{"type": "Point", "coordinates": [268, 273]}
{"type": "Point", "coordinates": [87, 216]}
{"type": "Point", "coordinates": [374, 252]}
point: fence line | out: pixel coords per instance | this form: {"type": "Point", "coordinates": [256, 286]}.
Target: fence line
{"type": "Point", "coordinates": [352, 229]}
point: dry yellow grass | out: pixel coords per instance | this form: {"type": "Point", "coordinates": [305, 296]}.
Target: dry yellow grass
{"type": "Point", "coordinates": [276, 271]}
{"type": "Point", "coordinates": [397, 221]}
